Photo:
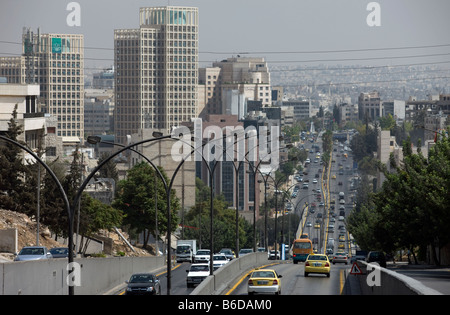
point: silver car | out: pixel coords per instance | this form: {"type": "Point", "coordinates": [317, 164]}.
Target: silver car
{"type": "Point", "coordinates": [33, 253]}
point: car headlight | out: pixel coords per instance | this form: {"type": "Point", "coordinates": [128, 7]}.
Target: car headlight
{"type": "Point", "coordinates": [149, 289]}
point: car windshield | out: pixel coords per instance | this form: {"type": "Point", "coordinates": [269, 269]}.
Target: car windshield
{"type": "Point", "coordinates": [199, 268]}
{"type": "Point", "coordinates": [141, 279]}
{"type": "Point", "coordinates": [220, 258]}
{"type": "Point", "coordinates": [203, 252]}
{"type": "Point", "coordinates": [263, 274]}
{"type": "Point", "coordinates": [32, 251]}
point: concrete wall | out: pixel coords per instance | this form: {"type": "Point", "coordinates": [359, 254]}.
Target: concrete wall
{"type": "Point", "coordinates": [48, 277]}
{"type": "Point", "coordinates": [390, 283]}
{"type": "Point", "coordinates": [225, 276]}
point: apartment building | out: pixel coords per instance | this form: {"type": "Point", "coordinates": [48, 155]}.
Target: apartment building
{"type": "Point", "coordinates": [369, 106]}
{"type": "Point", "coordinates": [229, 85]}
{"type": "Point", "coordinates": [156, 69]}
{"type": "Point", "coordinates": [56, 63]}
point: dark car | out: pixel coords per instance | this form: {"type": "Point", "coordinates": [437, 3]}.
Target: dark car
{"type": "Point", "coordinates": [143, 284]}
{"type": "Point", "coordinates": [378, 257]}
{"type": "Point", "coordinates": [59, 252]}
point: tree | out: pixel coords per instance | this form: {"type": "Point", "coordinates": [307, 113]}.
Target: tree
{"type": "Point", "coordinates": [137, 200]}
{"type": "Point", "coordinates": [13, 173]}
{"type": "Point", "coordinates": [109, 170]}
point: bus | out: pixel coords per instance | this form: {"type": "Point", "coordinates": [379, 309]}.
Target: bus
{"type": "Point", "coordinates": [301, 249]}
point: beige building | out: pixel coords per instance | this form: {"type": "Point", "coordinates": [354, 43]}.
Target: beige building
{"type": "Point", "coordinates": [56, 63]}
{"type": "Point", "coordinates": [156, 71]}
{"type": "Point", "coordinates": [159, 153]}
{"type": "Point", "coordinates": [230, 83]}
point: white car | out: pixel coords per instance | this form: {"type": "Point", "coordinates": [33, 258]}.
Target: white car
{"type": "Point", "coordinates": [202, 256]}
{"type": "Point", "coordinates": [196, 274]}
{"type": "Point", "coordinates": [219, 260]}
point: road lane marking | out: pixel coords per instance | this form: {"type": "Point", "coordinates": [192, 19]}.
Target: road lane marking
{"type": "Point", "coordinates": [341, 281]}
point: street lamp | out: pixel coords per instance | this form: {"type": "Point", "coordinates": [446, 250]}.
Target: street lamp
{"type": "Point", "coordinates": [70, 213]}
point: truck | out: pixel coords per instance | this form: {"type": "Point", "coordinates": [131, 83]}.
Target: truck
{"type": "Point", "coordinates": [186, 250]}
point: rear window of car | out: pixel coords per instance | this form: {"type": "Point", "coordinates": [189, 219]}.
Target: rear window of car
{"type": "Point", "coordinates": [263, 274]}
{"type": "Point", "coordinates": [317, 257]}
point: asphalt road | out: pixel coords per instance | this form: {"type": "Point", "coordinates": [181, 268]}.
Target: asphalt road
{"type": "Point", "coordinates": [293, 281]}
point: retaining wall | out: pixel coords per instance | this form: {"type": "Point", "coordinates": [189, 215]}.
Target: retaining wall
{"type": "Point", "coordinates": [49, 277]}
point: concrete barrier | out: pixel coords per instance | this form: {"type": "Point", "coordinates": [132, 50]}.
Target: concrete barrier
{"type": "Point", "coordinates": [228, 274]}
{"type": "Point", "coordinates": [383, 281]}
{"type": "Point", "coordinates": [49, 277]}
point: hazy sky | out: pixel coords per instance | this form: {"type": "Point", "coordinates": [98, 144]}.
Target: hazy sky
{"type": "Point", "coordinates": [261, 26]}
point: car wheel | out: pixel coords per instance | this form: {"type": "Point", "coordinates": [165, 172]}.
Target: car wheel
{"type": "Point", "coordinates": [328, 275]}
{"type": "Point", "coordinates": [306, 274]}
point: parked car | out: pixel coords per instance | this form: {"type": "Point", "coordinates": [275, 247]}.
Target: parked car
{"type": "Point", "coordinates": [378, 257]}
{"type": "Point", "coordinates": [33, 253]}
{"type": "Point", "coordinates": [143, 284]}
{"type": "Point", "coordinates": [59, 252]}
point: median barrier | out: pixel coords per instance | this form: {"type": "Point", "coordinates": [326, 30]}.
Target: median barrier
{"type": "Point", "coordinates": [382, 281]}
{"type": "Point", "coordinates": [229, 273]}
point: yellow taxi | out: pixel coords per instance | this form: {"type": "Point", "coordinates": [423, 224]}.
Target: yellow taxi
{"type": "Point", "coordinates": [264, 281]}
{"type": "Point", "coordinates": [317, 263]}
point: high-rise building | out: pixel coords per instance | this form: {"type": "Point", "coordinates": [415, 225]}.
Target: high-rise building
{"type": "Point", "coordinates": [156, 71]}
{"type": "Point", "coordinates": [56, 63]}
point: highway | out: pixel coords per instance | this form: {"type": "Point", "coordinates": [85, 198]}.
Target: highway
{"type": "Point", "coordinates": [293, 281]}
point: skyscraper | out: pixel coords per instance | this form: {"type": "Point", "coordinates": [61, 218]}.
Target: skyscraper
{"type": "Point", "coordinates": [156, 71]}
{"type": "Point", "coordinates": [56, 63]}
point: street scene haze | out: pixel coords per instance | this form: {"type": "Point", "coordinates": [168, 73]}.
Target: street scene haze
{"type": "Point", "coordinates": [224, 148]}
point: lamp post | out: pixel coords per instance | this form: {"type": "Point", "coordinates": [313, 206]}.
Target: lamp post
{"type": "Point", "coordinates": [64, 197]}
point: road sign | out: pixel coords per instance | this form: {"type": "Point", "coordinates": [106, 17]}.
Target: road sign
{"type": "Point", "coordinates": [355, 269]}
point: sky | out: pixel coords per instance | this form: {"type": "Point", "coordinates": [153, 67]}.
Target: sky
{"type": "Point", "coordinates": [280, 31]}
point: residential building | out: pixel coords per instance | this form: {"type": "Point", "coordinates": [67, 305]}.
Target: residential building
{"type": "Point", "coordinates": [56, 63]}
{"type": "Point", "coordinates": [416, 110]}
{"type": "Point", "coordinates": [156, 70]}
{"type": "Point", "coordinates": [39, 129]}
{"type": "Point", "coordinates": [302, 108]}
{"type": "Point", "coordinates": [231, 83]}
{"type": "Point", "coordinates": [369, 106]}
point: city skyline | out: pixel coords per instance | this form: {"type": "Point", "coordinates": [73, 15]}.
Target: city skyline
{"type": "Point", "coordinates": [282, 31]}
